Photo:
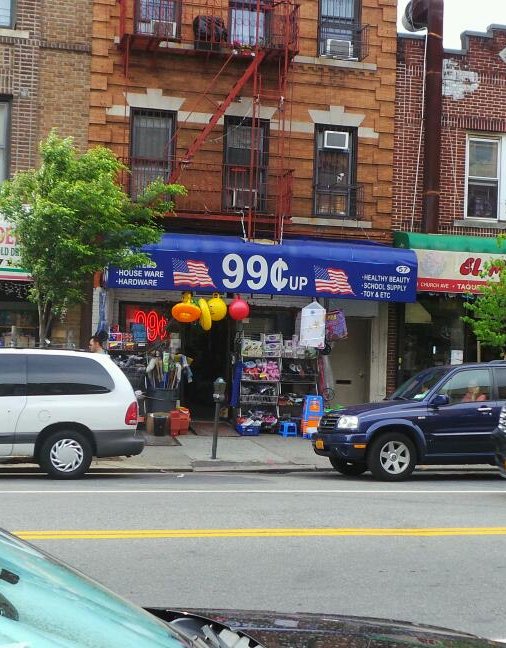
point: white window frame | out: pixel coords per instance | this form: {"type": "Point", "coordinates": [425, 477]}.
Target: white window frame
{"type": "Point", "coordinates": [501, 179]}
{"type": "Point", "coordinates": [5, 140]}
{"type": "Point", "coordinates": [6, 14]}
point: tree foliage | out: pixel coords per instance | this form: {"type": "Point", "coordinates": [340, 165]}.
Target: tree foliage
{"type": "Point", "coordinates": [488, 321]}
{"type": "Point", "coordinates": [72, 218]}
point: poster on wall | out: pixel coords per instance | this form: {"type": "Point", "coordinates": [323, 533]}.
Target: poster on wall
{"type": "Point", "coordinates": [10, 266]}
{"type": "Point", "coordinates": [364, 271]}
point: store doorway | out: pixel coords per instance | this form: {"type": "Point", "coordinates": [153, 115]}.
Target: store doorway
{"type": "Point", "coordinates": [350, 361]}
{"type": "Point", "coordinates": [209, 352]}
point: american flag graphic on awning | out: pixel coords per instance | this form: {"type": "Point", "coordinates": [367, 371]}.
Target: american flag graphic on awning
{"type": "Point", "coordinates": [191, 273]}
{"type": "Point", "coordinates": [332, 280]}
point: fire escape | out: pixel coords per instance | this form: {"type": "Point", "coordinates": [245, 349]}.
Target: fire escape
{"type": "Point", "coordinates": [243, 185]}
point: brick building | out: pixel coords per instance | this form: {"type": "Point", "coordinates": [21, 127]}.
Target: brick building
{"type": "Point", "coordinates": [45, 56]}
{"type": "Point", "coordinates": [279, 119]}
{"type": "Point", "coordinates": [472, 209]}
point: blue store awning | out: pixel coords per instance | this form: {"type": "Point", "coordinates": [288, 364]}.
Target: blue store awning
{"type": "Point", "coordinates": [298, 267]}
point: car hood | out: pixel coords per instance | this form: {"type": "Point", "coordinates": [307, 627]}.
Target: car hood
{"type": "Point", "coordinates": [384, 406]}
{"type": "Point", "coordinates": [304, 630]}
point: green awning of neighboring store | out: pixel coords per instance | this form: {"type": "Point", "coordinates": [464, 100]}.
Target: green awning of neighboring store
{"type": "Point", "coordinates": [448, 242]}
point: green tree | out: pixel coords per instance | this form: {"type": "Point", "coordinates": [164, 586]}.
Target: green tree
{"type": "Point", "coordinates": [488, 321]}
{"type": "Point", "coordinates": [72, 219]}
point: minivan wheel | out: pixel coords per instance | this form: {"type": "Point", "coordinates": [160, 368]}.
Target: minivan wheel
{"type": "Point", "coordinates": [348, 468]}
{"type": "Point", "coordinates": [65, 455]}
{"type": "Point", "coordinates": [392, 457]}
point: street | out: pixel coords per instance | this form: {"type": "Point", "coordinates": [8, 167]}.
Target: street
{"type": "Point", "coordinates": [430, 550]}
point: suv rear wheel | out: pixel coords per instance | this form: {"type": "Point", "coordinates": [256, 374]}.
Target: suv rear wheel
{"type": "Point", "coordinates": [392, 457]}
{"type": "Point", "coordinates": [348, 468]}
{"type": "Point", "coordinates": [65, 455]}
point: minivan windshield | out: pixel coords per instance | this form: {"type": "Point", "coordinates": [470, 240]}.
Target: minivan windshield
{"type": "Point", "coordinates": [44, 603]}
{"type": "Point", "coordinates": [416, 387]}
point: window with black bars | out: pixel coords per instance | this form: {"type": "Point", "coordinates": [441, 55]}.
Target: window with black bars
{"type": "Point", "coordinates": [157, 18]}
{"type": "Point", "coordinates": [339, 29]}
{"type": "Point", "coordinates": [151, 149]}
{"type": "Point", "coordinates": [335, 193]}
{"type": "Point", "coordinates": [245, 166]}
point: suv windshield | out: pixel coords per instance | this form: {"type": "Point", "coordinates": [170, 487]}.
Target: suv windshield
{"type": "Point", "coordinates": [416, 387]}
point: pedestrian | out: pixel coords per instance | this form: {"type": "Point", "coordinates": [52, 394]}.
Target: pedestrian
{"type": "Point", "coordinates": [95, 345]}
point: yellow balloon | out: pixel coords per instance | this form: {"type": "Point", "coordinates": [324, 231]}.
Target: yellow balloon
{"type": "Point", "coordinates": [205, 320]}
{"type": "Point", "coordinates": [217, 308]}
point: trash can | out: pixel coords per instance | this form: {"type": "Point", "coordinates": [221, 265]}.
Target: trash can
{"type": "Point", "coordinates": [157, 423]}
{"type": "Point", "coordinates": [161, 400]}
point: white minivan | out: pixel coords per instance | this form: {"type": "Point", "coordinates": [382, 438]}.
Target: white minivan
{"type": "Point", "coordinates": [62, 408]}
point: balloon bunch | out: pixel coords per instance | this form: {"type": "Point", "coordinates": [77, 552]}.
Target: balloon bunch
{"type": "Point", "coordinates": [207, 312]}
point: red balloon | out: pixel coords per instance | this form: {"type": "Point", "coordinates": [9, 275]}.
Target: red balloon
{"type": "Point", "coordinates": [238, 309]}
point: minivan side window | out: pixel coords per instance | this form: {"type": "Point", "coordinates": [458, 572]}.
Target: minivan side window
{"type": "Point", "coordinates": [500, 376]}
{"type": "Point", "coordinates": [52, 375]}
{"type": "Point", "coordinates": [12, 374]}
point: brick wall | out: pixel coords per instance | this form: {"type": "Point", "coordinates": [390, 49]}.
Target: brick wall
{"type": "Point", "coordinates": [365, 89]}
{"type": "Point", "coordinates": [474, 100]}
{"type": "Point", "coordinates": [65, 68]}
{"type": "Point", "coordinates": [45, 72]}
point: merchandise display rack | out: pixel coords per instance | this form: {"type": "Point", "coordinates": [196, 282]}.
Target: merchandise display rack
{"type": "Point", "coordinates": [277, 374]}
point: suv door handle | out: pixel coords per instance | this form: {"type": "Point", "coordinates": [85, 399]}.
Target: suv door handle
{"type": "Point", "coordinates": [484, 408]}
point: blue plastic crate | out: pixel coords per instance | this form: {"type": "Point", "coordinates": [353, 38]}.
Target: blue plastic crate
{"type": "Point", "coordinates": [248, 430]}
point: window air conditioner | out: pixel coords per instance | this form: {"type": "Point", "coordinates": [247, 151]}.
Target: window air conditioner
{"type": "Point", "coordinates": [336, 140]}
{"type": "Point", "coordinates": [244, 198]}
{"type": "Point", "coordinates": [339, 48]}
{"type": "Point", "coordinates": [163, 29]}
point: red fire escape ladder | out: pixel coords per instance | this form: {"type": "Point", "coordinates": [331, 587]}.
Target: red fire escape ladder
{"type": "Point", "coordinates": [220, 111]}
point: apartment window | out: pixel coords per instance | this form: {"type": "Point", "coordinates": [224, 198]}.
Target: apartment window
{"type": "Point", "coordinates": [151, 147]}
{"type": "Point", "coordinates": [247, 27]}
{"type": "Point", "coordinates": [335, 193]}
{"type": "Point", "coordinates": [245, 164]}
{"type": "Point", "coordinates": [485, 197]}
{"type": "Point", "coordinates": [4, 139]}
{"type": "Point", "coordinates": [5, 13]}
{"type": "Point", "coordinates": [338, 28]}
{"type": "Point", "coordinates": [157, 18]}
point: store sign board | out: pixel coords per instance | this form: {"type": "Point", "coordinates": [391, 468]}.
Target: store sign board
{"type": "Point", "coordinates": [454, 272]}
{"type": "Point", "coordinates": [298, 268]}
{"type": "Point", "coordinates": [9, 255]}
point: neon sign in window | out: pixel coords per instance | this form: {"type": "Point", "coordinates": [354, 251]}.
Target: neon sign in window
{"type": "Point", "coordinates": [155, 323]}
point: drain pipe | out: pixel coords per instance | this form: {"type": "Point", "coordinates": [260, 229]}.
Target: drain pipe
{"type": "Point", "coordinates": [421, 14]}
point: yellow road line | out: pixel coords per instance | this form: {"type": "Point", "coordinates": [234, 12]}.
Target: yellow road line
{"type": "Point", "coordinates": [142, 534]}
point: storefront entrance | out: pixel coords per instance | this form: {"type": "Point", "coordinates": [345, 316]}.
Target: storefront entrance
{"type": "Point", "coordinates": [208, 351]}
{"type": "Point", "coordinates": [350, 361]}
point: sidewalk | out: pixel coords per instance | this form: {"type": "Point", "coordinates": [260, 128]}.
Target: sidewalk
{"type": "Point", "coordinates": [192, 452]}
{"type": "Point", "coordinates": [266, 452]}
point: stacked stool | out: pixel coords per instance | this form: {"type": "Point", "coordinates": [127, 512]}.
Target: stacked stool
{"type": "Point", "coordinates": [287, 429]}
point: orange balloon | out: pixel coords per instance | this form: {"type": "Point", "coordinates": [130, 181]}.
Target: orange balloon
{"type": "Point", "coordinates": [186, 311]}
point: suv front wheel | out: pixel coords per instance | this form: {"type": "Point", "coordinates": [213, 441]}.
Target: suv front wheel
{"type": "Point", "coordinates": [65, 455]}
{"type": "Point", "coordinates": [391, 457]}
